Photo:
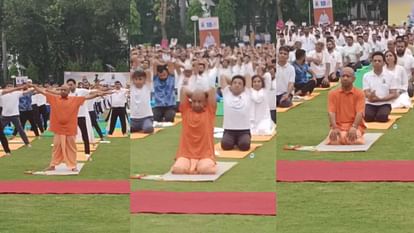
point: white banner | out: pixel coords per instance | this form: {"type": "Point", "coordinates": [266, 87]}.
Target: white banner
{"type": "Point", "coordinates": [317, 4]}
{"type": "Point", "coordinates": [104, 77]}
{"type": "Point", "coordinates": [206, 24]}
{"type": "Point", "coordinates": [21, 79]}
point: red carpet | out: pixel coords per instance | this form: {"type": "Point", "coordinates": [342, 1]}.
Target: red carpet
{"type": "Point", "coordinates": [356, 171]}
{"type": "Point", "coordinates": [64, 187]}
{"type": "Point", "coordinates": [240, 203]}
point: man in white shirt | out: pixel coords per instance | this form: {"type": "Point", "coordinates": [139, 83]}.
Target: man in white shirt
{"type": "Point", "coordinates": [285, 79]}
{"type": "Point", "coordinates": [351, 53]}
{"type": "Point", "coordinates": [407, 61]}
{"type": "Point", "coordinates": [141, 112]}
{"type": "Point", "coordinates": [366, 51]}
{"type": "Point", "coordinates": [308, 41]}
{"type": "Point", "coordinates": [380, 89]}
{"type": "Point", "coordinates": [3, 138]}
{"type": "Point", "coordinates": [319, 63]}
{"type": "Point", "coordinates": [335, 61]}
{"type": "Point", "coordinates": [118, 108]}
{"type": "Point", "coordinates": [10, 112]}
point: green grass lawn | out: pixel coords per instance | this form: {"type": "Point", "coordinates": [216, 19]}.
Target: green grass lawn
{"type": "Point", "coordinates": [109, 162]}
{"type": "Point", "coordinates": [342, 207]}
{"type": "Point", "coordinates": [64, 213]}
{"type": "Point", "coordinates": [250, 174]}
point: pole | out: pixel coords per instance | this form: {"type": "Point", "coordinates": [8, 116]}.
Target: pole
{"type": "Point", "coordinates": [4, 54]}
{"type": "Point", "coordinates": [195, 33]}
{"type": "Point", "coordinates": [310, 1]}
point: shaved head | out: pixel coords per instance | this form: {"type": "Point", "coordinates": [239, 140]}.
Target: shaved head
{"type": "Point", "coordinates": [64, 90]}
{"type": "Point", "coordinates": [347, 78]}
{"type": "Point", "coordinates": [198, 100]}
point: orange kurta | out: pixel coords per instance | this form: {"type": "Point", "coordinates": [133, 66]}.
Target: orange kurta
{"type": "Point", "coordinates": [64, 114]}
{"type": "Point", "coordinates": [197, 135]}
{"type": "Point", "coordinates": [346, 105]}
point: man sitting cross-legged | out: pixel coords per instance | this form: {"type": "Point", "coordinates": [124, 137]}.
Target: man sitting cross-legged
{"type": "Point", "coordinates": [346, 106]}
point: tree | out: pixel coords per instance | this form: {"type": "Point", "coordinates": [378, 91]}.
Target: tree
{"type": "Point", "coordinates": [161, 7]}
{"type": "Point", "coordinates": [194, 9]}
{"type": "Point", "coordinates": [227, 16]}
{"type": "Point", "coordinates": [135, 19]}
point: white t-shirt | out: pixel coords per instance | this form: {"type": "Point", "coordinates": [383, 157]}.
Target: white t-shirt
{"type": "Point", "coordinates": [321, 68]}
{"type": "Point", "coordinates": [366, 51]}
{"type": "Point", "coordinates": [333, 59]}
{"type": "Point", "coordinates": [236, 110]}
{"type": "Point", "coordinates": [350, 53]}
{"type": "Point", "coordinates": [11, 103]}
{"type": "Point", "coordinates": [119, 98]}
{"type": "Point", "coordinates": [83, 110]}
{"type": "Point", "coordinates": [308, 43]}
{"type": "Point", "coordinates": [261, 121]}
{"type": "Point", "coordinates": [408, 63]}
{"type": "Point", "coordinates": [271, 87]}
{"type": "Point", "coordinates": [35, 99]}
{"type": "Point", "coordinates": [141, 102]}
{"type": "Point", "coordinates": [41, 100]}
{"type": "Point", "coordinates": [381, 84]}
{"type": "Point", "coordinates": [284, 75]}
{"type": "Point", "coordinates": [225, 73]}
{"type": "Point", "coordinates": [400, 75]}
{"type": "Point", "coordinates": [91, 104]}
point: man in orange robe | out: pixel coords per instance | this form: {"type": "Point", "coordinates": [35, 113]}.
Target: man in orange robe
{"type": "Point", "coordinates": [195, 154]}
{"type": "Point", "coordinates": [346, 107]}
{"type": "Point", "coordinates": [63, 123]}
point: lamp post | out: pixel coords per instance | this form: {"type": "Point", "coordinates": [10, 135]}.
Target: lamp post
{"type": "Point", "coordinates": [195, 18]}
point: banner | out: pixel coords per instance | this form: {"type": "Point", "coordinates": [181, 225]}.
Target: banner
{"type": "Point", "coordinates": [209, 32]}
{"type": "Point", "coordinates": [400, 11]}
{"type": "Point", "coordinates": [323, 12]}
{"type": "Point", "coordinates": [21, 79]}
{"type": "Point", "coordinates": [104, 77]}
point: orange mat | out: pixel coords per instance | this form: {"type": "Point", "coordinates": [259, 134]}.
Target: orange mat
{"type": "Point", "coordinates": [13, 147]}
{"type": "Point", "coordinates": [96, 141]}
{"type": "Point", "coordinates": [2, 154]}
{"type": "Point", "coordinates": [328, 88]}
{"type": "Point", "coordinates": [262, 138]}
{"type": "Point", "coordinates": [234, 154]}
{"type": "Point", "coordinates": [295, 104]}
{"type": "Point", "coordinates": [20, 140]}
{"type": "Point", "coordinates": [144, 135]}
{"type": "Point", "coordinates": [401, 110]}
{"type": "Point", "coordinates": [117, 134]}
{"type": "Point", "coordinates": [311, 96]}
{"type": "Point", "coordinates": [386, 125]}
{"type": "Point", "coordinates": [177, 121]}
{"type": "Point", "coordinates": [31, 134]}
{"type": "Point", "coordinates": [81, 157]}
{"type": "Point", "coordinates": [178, 114]}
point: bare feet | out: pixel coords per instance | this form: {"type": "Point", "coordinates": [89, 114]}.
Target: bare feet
{"type": "Point", "coordinates": [50, 168]}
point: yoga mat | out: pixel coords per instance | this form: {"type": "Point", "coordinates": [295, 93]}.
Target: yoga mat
{"type": "Point", "coordinates": [386, 125]}
{"type": "Point", "coordinates": [239, 203]}
{"type": "Point", "coordinates": [294, 104]}
{"type": "Point", "coordinates": [64, 187]}
{"type": "Point", "coordinates": [117, 134]}
{"type": "Point", "coordinates": [2, 154]}
{"type": "Point", "coordinates": [144, 135]}
{"type": "Point", "coordinates": [13, 147]}
{"type": "Point", "coordinates": [167, 124]}
{"type": "Point", "coordinates": [81, 147]}
{"type": "Point", "coordinates": [222, 167]}
{"type": "Point", "coordinates": [401, 110]}
{"type": "Point", "coordinates": [30, 134]}
{"type": "Point", "coordinates": [263, 138]}
{"type": "Point", "coordinates": [370, 139]}
{"type": "Point", "coordinates": [356, 171]}
{"type": "Point", "coordinates": [18, 140]}
{"type": "Point", "coordinates": [311, 96]}
{"type": "Point", "coordinates": [234, 154]}
{"type": "Point", "coordinates": [332, 84]}
{"type": "Point", "coordinates": [60, 170]}
{"type": "Point", "coordinates": [81, 157]}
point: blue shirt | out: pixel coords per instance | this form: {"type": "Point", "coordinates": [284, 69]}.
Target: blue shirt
{"type": "Point", "coordinates": [164, 91]}
{"type": "Point", "coordinates": [301, 73]}
{"type": "Point", "coordinates": [25, 102]}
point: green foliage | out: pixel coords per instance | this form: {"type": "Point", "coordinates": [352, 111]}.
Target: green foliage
{"type": "Point", "coordinates": [13, 71]}
{"type": "Point", "coordinates": [193, 9]}
{"type": "Point", "coordinates": [33, 72]}
{"type": "Point", "coordinates": [134, 20]}
{"type": "Point", "coordinates": [96, 66]}
{"type": "Point", "coordinates": [73, 66]}
{"type": "Point", "coordinates": [122, 66]}
{"type": "Point", "coordinates": [56, 34]}
{"type": "Point", "coordinates": [227, 16]}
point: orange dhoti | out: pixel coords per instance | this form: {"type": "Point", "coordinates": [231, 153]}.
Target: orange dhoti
{"type": "Point", "coordinates": [64, 150]}
{"type": "Point", "coordinates": [343, 139]}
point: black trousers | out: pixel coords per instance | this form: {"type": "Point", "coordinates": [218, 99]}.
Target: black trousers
{"type": "Point", "coordinates": [44, 113]}
{"type": "Point", "coordinates": [305, 87]}
{"type": "Point", "coordinates": [36, 117]}
{"type": "Point", "coordinates": [85, 136]}
{"type": "Point", "coordinates": [3, 140]}
{"type": "Point", "coordinates": [379, 113]}
{"type": "Point", "coordinates": [164, 114]}
{"type": "Point", "coordinates": [93, 116]}
{"type": "Point", "coordinates": [120, 113]}
{"type": "Point", "coordinates": [24, 117]}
